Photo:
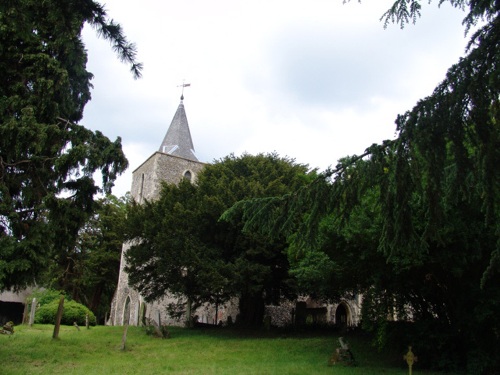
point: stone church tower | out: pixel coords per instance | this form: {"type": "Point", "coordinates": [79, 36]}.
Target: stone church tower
{"type": "Point", "coordinates": [174, 161]}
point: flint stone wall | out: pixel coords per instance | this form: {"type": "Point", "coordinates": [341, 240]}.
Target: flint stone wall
{"type": "Point", "coordinates": [146, 184]}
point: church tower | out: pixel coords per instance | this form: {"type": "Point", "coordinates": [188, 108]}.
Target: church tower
{"type": "Point", "coordinates": [174, 161]}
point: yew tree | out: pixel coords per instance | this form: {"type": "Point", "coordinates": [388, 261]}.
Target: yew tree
{"type": "Point", "coordinates": [412, 223]}
{"type": "Point", "coordinates": [179, 245]}
{"type": "Point", "coordinates": [88, 272]}
{"type": "Point", "coordinates": [48, 160]}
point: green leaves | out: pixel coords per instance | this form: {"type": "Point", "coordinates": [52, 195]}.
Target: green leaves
{"type": "Point", "coordinates": [179, 245]}
{"type": "Point", "coordinates": [412, 223]}
{"type": "Point", "coordinates": [47, 161]}
{"type": "Point", "coordinates": [405, 11]}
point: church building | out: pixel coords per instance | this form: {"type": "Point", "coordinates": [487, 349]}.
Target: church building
{"type": "Point", "coordinates": [176, 160]}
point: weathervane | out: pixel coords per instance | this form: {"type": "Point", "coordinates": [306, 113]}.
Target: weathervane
{"type": "Point", "coordinates": [183, 85]}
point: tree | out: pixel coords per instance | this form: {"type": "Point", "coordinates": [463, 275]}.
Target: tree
{"type": "Point", "coordinates": [88, 272]}
{"type": "Point", "coordinates": [182, 247]}
{"type": "Point", "coordinates": [169, 254]}
{"type": "Point", "coordinates": [432, 196]}
{"type": "Point", "coordinates": [47, 161]}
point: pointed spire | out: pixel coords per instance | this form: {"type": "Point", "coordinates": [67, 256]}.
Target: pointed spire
{"type": "Point", "coordinates": [178, 140]}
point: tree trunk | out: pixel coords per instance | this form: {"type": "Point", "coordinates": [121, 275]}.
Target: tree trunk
{"type": "Point", "coordinates": [251, 310]}
{"type": "Point", "coordinates": [189, 321]}
{"type": "Point", "coordinates": [60, 310]}
{"type": "Point", "coordinates": [96, 297]}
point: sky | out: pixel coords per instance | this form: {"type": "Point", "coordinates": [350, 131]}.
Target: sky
{"type": "Point", "coordinates": [312, 80]}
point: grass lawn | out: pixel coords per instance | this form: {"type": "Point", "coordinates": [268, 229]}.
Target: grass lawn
{"type": "Point", "coordinates": [31, 350]}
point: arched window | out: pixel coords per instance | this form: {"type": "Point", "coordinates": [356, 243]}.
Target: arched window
{"type": "Point", "coordinates": [188, 176]}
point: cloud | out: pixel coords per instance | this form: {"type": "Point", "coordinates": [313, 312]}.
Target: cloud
{"type": "Point", "coordinates": [314, 80]}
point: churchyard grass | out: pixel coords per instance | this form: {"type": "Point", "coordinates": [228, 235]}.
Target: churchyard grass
{"type": "Point", "coordinates": [31, 350]}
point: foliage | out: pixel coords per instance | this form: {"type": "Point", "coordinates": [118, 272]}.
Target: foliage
{"type": "Point", "coordinates": [47, 161]}
{"type": "Point", "coordinates": [171, 222]}
{"type": "Point", "coordinates": [73, 312]}
{"type": "Point", "coordinates": [413, 223]}
{"type": "Point", "coordinates": [406, 11]}
{"type": "Point", "coordinates": [88, 272]}
{"type": "Point", "coordinates": [46, 296]}
{"type": "Point", "coordinates": [180, 245]}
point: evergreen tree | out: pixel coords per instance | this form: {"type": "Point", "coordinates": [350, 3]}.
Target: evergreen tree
{"type": "Point", "coordinates": [47, 161]}
{"type": "Point", "coordinates": [180, 246]}
{"type": "Point", "coordinates": [88, 272]}
{"type": "Point", "coordinates": [413, 223]}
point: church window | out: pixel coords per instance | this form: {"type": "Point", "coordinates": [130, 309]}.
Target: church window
{"type": "Point", "coordinates": [188, 175]}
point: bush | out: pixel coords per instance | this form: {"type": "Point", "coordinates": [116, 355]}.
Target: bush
{"type": "Point", "coordinates": [44, 296]}
{"type": "Point", "coordinates": [73, 312]}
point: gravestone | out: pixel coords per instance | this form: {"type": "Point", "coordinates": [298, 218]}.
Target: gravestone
{"type": "Point", "coordinates": [410, 359]}
{"type": "Point", "coordinates": [32, 312]}
{"type": "Point", "coordinates": [342, 354]}
{"type": "Point", "coordinates": [7, 329]}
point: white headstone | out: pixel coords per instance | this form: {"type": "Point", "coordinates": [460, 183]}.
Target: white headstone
{"type": "Point", "coordinates": [32, 312]}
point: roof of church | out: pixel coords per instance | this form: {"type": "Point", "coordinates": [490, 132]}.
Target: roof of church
{"type": "Point", "coordinates": [178, 140]}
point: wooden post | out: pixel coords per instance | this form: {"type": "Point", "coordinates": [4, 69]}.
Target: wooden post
{"type": "Point", "coordinates": [126, 320]}
{"type": "Point", "coordinates": [60, 310]}
{"type": "Point", "coordinates": [124, 337]}
{"type": "Point", "coordinates": [87, 321]}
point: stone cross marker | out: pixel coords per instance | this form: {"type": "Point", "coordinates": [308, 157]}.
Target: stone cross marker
{"type": "Point", "coordinates": [410, 359]}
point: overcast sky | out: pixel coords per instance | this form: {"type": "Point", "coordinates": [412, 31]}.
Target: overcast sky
{"type": "Point", "coordinates": [313, 80]}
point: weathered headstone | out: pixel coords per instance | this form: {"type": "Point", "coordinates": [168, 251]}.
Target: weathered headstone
{"type": "Point", "coordinates": [342, 354]}
{"type": "Point", "coordinates": [267, 322]}
{"type": "Point", "coordinates": [25, 312]}
{"type": "Point", "coordinates": [32, 312]}
{"type": "Point", "coordinates": [142, 314]}
{"type": "Point", "coordinates": [7, 329]}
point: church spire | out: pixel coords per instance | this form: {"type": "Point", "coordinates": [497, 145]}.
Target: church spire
{"type": "Point", "coordinates": [178, 140]}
